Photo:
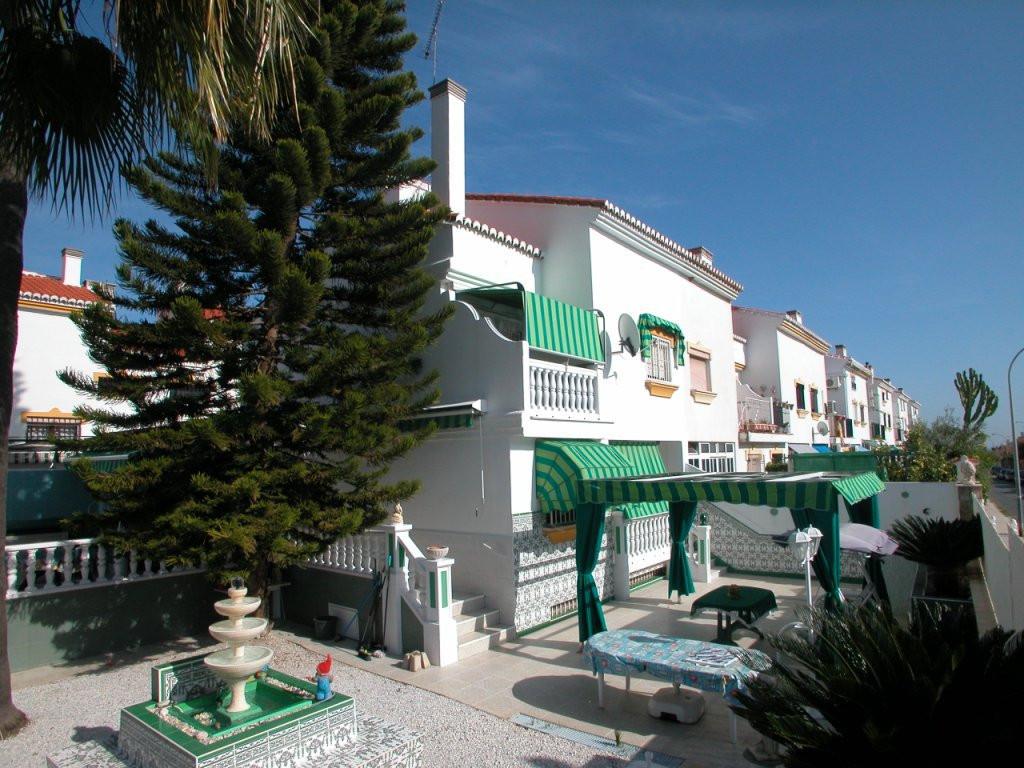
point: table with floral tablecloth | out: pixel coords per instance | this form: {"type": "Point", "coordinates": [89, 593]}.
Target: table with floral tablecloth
{"type": "Point", "coordinates": [696, 664]}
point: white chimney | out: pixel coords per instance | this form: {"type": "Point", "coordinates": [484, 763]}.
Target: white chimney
{"type": "Point", "coordinates": [71, 266]}
{"type": "Point", "coordinates": [448, 143]}
{"type": "Point", "coordinates": [795, 316]}
{"type": "Point", "coordinates": [840, 350]}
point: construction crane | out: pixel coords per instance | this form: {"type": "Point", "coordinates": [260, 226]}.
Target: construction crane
{"type": "Point", "coordinates": [430, 52]}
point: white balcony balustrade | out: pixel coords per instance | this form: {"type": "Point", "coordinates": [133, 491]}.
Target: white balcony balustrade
{"type": "Point", "coordinates": [564, 392]}
{"type": "Point", "coordinates": [643, 543]}
{"type": "Point", "coordinates": [55, 567]}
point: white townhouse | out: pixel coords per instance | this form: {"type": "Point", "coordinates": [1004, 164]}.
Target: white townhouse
{"type": "Point", "coordinates": [905, 414]}
{"type": "Point", "coordinates": [781, 390]}
{"type": "Point", "coordinates": [882, 407]}
{"type": "Point", "coordinates": [582, 339]}
{"type": "Point", "coordinates": [49, 342]}
{"type": "Point", "coordinates": [849, 389]}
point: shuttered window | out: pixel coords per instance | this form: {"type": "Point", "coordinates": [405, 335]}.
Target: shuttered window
{"type": "Point", "coordinates": [700, 374]}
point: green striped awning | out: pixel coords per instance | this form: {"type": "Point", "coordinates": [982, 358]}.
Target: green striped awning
{"type": "Point", "coordinates": [458, 421]}
{"type": "Point", "coordinates": [646, 460]}
{"type": "Point", "coordinates": [446, 416]}
{"type": "Point", "coordinates": [551, 325]}
{"type": "Point", "coordinates": [648, 322]}
{"type": "Point", "coordinates": [562, 466]}
{"type": "Point", "coordinates": [794, 490]}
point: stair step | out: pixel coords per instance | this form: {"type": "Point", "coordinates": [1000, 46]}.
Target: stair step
{"type": "Point", "coordinates": [476, 642]}
{"type": "Point", "coordinates": [467, 603]}
{"type": "Point", "coordinates": [475, 621]}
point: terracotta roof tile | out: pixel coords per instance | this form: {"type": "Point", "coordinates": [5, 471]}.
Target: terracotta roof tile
{"type": "Point", "coordinates": [51, 290]}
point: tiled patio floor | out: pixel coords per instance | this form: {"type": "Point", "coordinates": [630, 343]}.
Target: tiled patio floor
{"type": "Point", "coordinates": [542, 675]}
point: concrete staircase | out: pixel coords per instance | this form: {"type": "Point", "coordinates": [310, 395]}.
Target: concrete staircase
{"type": "Point", "coordinates": [478, 627]}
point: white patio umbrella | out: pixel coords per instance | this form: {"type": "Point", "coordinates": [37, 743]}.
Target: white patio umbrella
{"type": "Point", "coordinates": [856, 537]}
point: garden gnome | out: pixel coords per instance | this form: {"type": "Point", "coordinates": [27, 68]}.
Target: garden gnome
{"type": "Point", "coordinates": [323, 679]}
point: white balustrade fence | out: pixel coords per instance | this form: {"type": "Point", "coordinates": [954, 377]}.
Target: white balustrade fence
{"type": "Point", "coordinates": [563, 391]}
{"type": "Point", "coordinates": [360, 555]}
{"type": "Point", "coordinates": [1003, 564]}
{"type": "Point", "coordinates": [648, 541]}
{"type": "Point", "coordinates": [644, 542]}
{"type": "Point", "coordinates": [54, 567]}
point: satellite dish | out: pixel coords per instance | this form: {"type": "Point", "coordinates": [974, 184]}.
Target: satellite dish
{"type": "Point", "coordinates": [822, 428]}
{"type": "Point", "coordinates": [629, 335]}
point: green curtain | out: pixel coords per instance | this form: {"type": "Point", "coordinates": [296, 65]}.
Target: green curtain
{"type": "Point", "coordinates": [866, 512]}
{"type": "Point", "coordinates": [680, 520]}
{"type": "Point", "coordinates": [826, 563]}
{"type": "Point", "coordinates": [589, 533]}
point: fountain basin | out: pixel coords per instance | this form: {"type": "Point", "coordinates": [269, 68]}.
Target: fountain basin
{"type": "Point", "coordinates": [239, 630]}
{"type": "Point", "coordinates": [237, 608]}
{"type": "Point", "coordinates": [230, 667]}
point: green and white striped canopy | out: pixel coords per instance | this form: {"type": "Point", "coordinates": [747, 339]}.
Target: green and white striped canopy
{"type": "Point", "coordinates": [562, 467]}
{"type": "Point", "coordinates": [646, 460]}
{"type": "Point", "coordinates": [818, 491]}
{"type": "Point", "coordinates": [648, 322]}
{"type": "Point", "coordinates": [551, 325]}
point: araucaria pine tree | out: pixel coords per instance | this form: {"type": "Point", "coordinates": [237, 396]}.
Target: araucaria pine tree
{"type": "Point", "coordinates": [262, 351]}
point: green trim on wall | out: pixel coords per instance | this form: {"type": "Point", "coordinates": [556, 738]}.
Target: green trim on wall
{"type": "Point", "coordinates": [444, 589]}
{"type": "Point", "coordinates": [433, 590]}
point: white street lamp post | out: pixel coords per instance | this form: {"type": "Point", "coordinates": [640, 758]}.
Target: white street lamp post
{"type": "Point", "coordinates": [1016, 450]}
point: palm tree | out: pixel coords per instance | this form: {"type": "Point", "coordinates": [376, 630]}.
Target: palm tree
{"type": "Point", "coordinates": [75, 107]}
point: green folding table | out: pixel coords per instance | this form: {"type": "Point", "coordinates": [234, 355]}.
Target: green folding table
{"type": "Point", "coordinates": [748, 603]}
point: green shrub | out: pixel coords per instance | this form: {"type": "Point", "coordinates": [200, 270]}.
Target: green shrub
{"type": "Point", "coordinates": [776, 466]}
{"type": "Point", "coordinates": [871, 692]}
{"type": "Point", "coordinates": [940, 544]}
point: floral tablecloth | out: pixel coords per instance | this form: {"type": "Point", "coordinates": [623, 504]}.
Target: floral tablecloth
{"type": "Point", "coordinates": [706, 666]}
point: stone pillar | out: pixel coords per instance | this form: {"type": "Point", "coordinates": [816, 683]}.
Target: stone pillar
{"type": "Point", "coordinates": [700, 535]}
{"type": "Point", "coordinates": [620, 556]}
{"type": "Point", "coordinates": [440, 634]}
{"type": "Point", "coordinates": [397, 578]}
{"type": "Point", "coordinates": [966, 494]}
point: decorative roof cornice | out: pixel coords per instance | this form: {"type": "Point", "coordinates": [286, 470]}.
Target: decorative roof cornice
{"type": "Point", "coordinates": [791, 328]}
{"type": "Point", "coordinates": [45, 291]}
{"type": "Point", "coordinates": [464, 222]}
{"type": "Point", "coordinates": [683, 254]}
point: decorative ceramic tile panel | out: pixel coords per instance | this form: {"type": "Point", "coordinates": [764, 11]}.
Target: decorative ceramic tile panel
{"type": "Point", "coordinates": [181, 680]}
{"type": "Point", "coordinates": [380, 744]}
{"type": "Point", "coordinates": [740, 548]}
{"type": "Point", "coordinates": [545, 573]}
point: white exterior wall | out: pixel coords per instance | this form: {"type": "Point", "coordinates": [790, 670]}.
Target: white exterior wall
{"type": "Point", "coordinates": [627, 282]}
{"type": "Point", "coordinates": [848, 399]}
{"type": "Point", "coordinates": [48, 342]}
{"type": "Point", "coordinates": [477, 260]}
{"type": "Point", "coordinates": [800, 363]}
{"type": "Point", "coordinates": [881, 407]}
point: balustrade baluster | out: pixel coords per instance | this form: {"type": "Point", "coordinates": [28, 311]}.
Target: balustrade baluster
{"type": "Point", "coordinates": [11, 569]}
{"type": "Point", "coordinates": [101, 563]}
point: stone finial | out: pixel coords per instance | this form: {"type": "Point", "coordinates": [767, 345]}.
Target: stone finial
{"type": "Point", "coordinates": [966, 471]}
{"type": "Point", "coordinates": [396, 515]}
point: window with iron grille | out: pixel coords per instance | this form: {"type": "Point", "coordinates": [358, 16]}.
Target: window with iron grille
{"type": "Point", "coordinates": [53, 429]}
{"type": "Point", "coordinates": [659, 364]}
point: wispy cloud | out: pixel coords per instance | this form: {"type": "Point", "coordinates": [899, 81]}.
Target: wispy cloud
{"type": "Point", "coordinates": [693, 111]}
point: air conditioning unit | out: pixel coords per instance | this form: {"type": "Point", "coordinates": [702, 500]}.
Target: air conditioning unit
{"type": "Point", "coordinates": [830, 407]}
{"type": "Point", "coordinates": [832, 383]}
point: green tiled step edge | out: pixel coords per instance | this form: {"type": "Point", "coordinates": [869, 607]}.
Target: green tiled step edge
{"type": "Point", "coordinates": [380, 745]}
{"type": "Point", "coordinates": [142, 715]}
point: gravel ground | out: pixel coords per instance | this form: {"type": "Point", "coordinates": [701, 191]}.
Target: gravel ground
{"type": "Point", "coordinates": [87, 706]}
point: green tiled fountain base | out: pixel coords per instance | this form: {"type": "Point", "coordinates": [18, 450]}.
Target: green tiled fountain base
{"type": "Point", "coordinates": [379, 744]}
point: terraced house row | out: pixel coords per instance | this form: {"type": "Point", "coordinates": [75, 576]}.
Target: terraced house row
{"type": "Point", "coordinates": [583, 343]}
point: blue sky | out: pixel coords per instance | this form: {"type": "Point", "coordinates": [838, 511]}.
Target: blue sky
{"type": "Point", "coordinates": [862, 162]}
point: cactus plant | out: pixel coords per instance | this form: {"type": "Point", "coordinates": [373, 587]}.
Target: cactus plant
{"type": "Point", "coordinates": [977, 398]}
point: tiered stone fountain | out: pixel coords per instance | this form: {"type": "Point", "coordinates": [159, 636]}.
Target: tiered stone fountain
{"type": "Point", "coordinates": [240, 661]}
{"type": "Point", "coordinates": [230, 708]}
